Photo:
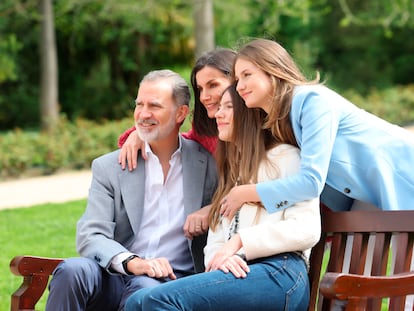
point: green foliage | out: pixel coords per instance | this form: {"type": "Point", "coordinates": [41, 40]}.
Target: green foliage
{"type": "Point", "coordinates": [396, 104]}
{"type": "Point", "coordinates": [361, 55]}
{"type": "Point", "coordinates": [73, 145]}
{"type": "Point", "coordinates": [43, 230]}
{"type": "Point", "coordinates": [9, 47]}
{"type": "Point", "coordinates": [387, 14]}
{"type": "Point", "coordinates": [105, 47]}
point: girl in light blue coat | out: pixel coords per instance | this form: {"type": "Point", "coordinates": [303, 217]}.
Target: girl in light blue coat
{"type": "Point", "coordinates": [347, 155]}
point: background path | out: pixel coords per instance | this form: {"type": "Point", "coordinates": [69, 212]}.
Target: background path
{"type": "Point", "coordinates": [56, 188]}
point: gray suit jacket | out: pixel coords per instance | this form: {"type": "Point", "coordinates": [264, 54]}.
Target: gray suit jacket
{"type": "Point", "coordinates": [116, 198]}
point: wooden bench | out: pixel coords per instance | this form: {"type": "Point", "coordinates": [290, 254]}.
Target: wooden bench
{"type": "Point", "coordinates": [391, 235]}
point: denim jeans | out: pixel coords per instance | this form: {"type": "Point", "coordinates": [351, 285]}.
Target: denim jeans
{"type": "Point", "coordinates": [274, 283]}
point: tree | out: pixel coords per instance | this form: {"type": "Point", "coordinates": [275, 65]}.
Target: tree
{"type": "Point", "coordinates": [203, 26]}
{"type": "Point", "coordinates": [387, 14]}
{"type": "Point", "coordinates": [49, 110]}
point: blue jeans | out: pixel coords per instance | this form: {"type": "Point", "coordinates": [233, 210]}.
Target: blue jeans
{"type": "Point", "coordinates": [274, 283]}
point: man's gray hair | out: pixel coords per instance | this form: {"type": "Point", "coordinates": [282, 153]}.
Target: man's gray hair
{"type": "Point", "coordinates": [180, 90]}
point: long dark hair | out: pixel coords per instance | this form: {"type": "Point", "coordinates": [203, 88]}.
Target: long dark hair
{"type": "Point", "coordinates": [221, 59]}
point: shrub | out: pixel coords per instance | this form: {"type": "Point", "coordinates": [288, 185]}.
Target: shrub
{"type": "Point", "coordinates": [396, 104]}
{"type": "Point", "coordinates": [72, 145]}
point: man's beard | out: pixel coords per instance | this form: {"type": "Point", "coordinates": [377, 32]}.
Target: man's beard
{"type": "Point", "coordinates": [157, 133]}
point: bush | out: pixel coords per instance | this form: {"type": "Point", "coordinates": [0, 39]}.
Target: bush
{"type": "Point", "coordinates": [72, 145]}
{"type": "Point", "coordinates": [396, 104]}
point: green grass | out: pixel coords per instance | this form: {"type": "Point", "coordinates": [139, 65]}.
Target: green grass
{"type": "Point", "coordinates": [42, 230]}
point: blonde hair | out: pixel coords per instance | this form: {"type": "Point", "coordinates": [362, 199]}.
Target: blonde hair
{"type": "Point", "coordinates": [276, 62]}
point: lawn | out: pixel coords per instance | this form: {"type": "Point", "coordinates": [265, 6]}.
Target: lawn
{"type": "Point", "coordinates": [41, 230]}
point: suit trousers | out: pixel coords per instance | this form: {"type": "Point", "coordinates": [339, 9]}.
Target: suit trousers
{"type": "Point", "coordinates": [81, 284]}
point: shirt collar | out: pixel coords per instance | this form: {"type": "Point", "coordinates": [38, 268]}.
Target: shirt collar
{"type": "Point", "coordinates": [148, 149]}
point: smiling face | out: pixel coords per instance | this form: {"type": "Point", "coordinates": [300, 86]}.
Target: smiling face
{"type": "Point", "coordinates": [224, 118]}
{"type": "Point", "coordinates": [253, 85]}
{"type": "Point", "coordinates": [156, 114]}
{"type": "Point", "coordinates": [211, 83]}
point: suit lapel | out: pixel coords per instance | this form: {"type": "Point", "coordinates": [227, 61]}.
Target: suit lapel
{"type": "Point", "coordinates": [132, 191]}
{"type": "Point", "coordinates": [133, 184]}
{"type": "Point", "coordinates": [194, 169]}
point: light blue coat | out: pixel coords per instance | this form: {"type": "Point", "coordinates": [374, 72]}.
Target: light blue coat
{"type": "Point", "coordinates": [353, 151]}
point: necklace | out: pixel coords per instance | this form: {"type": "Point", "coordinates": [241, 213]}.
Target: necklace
{"type": "Point", "coordinates": [234, 226]}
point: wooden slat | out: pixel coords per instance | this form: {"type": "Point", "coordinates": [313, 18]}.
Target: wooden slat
{"type": "Point", "coordinates": [365, 292]}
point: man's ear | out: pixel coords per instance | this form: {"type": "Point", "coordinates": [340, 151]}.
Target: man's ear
{"type": "Point", "coordinates": [182, 113]}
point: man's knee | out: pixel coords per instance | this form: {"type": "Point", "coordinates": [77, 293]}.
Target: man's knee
{"type": "Point", "coordinates": [73, 270]}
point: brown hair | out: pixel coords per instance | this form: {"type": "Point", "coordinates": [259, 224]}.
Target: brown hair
{"type": "Point", "coordinates": [221, 59]}
{"type": "Point", "coordinates": [276, 62]}
{"type": "Point", "coordinates": [238, 161]}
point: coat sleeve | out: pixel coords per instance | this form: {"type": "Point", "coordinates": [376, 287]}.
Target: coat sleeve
{"type": "Point", "coordinates": [296, 228]}
{"type": "Point", "coordinates": [315, 121]}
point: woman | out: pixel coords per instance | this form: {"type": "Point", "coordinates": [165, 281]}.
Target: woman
{"type": "Point", "coordinates": [256, 261]}
{"type": "Point", "coordinates": [359, 156]}
{"type": "Point", "coordinates": [210, 75]}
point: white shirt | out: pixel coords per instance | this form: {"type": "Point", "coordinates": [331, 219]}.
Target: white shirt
{"type": "Point", "coordinates": [161, 230]}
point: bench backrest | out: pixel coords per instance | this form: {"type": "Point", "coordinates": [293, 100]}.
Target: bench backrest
{"type": "Point", "coordinates": [376, 243]}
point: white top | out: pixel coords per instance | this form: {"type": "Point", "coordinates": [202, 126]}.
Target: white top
{"type": "Point", "coordinates": [296, 228]}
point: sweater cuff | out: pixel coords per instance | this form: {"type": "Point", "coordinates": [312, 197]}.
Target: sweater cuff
{"type": "Point", "coordinates": [123, 137]}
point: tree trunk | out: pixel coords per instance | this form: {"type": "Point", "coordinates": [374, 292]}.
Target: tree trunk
{"type": "Point", "coordinates": [49, 107]}
{"type": "Point", "coordinates": [203, 26]}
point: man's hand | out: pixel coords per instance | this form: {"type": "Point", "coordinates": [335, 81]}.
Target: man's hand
{"type": "Point", "coordinates": [197, 223]}
{"type": "Point", "coordinates": [129, 151]}
{"type": "Point", "coordinates": [154, 268]}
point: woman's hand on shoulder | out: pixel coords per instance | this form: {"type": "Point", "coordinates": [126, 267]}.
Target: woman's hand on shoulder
{"type": "Point", "coordinates": [129, 152]}
{"type": "Point", "coordinates": [237, 196]}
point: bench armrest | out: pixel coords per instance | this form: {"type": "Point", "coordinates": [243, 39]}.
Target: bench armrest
{"type": "Point", "coordinates": [346, 286]}
{"type": "Point", "coordinates": [35, 272]}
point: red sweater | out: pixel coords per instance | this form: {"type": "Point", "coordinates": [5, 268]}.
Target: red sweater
{"type": "Point", "coordinates": [210, 143]}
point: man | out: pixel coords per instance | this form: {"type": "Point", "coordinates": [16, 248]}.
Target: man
{"type": "Point", "coordinates": [131, 234]}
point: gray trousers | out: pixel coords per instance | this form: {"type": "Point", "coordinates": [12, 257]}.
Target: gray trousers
{"type": "Point", "coordinates": [81, 284]}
